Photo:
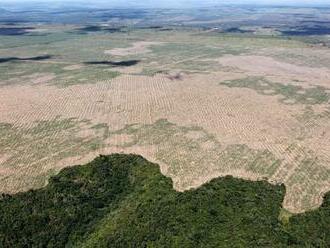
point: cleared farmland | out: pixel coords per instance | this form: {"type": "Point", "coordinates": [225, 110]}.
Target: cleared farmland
{"type": "Point", "coordinates": [202, 105]}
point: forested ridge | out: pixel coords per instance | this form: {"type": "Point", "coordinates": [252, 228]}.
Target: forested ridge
{"type": "Point", "coordinates": [124, 201]}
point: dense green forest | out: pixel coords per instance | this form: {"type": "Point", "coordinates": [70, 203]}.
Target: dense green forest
{"type": "Point", "coordinates": [124, 201]}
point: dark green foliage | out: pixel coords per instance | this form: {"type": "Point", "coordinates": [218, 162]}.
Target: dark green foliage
{"type": "Point", "coordinates": [124, 201]}
{"type": "Point", "coordinates": [313, 226]}
{"type": "Point", "coordinates": [67, 207]}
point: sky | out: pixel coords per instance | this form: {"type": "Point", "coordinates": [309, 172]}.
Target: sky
{"type": "Point", "coordinates": [171, 3]}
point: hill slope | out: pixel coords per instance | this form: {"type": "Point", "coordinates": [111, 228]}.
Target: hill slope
{"type": "Point", "coordinates": [124, 201]}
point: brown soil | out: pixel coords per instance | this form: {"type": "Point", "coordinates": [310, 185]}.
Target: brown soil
{"type": "Point", "coordinates": [137, 48]}
{"type": "Point", "coordinates": [232, 115]}
{"type": "Point", "coordinates": [267, 66]}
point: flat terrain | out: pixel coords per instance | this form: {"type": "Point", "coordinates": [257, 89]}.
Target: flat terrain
{"type": "Point", "coordinates": [199, 102]}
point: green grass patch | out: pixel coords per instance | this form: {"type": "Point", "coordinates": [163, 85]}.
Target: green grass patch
{"type": "Point", "coordinates": [32, 150]}
{"type": "Point", "coordinates": [20, 73]}
{"type": "Point", "coordinates": [290, 94]}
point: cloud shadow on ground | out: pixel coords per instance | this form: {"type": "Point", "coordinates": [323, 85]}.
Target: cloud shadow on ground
{"type": "Point", "coordinates": [114, 63]}
{"type": "Point", "coordinates": [37, 58]}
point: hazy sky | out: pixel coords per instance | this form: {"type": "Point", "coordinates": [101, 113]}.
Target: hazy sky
{"type": "Point", "coordinates": [175, 3]}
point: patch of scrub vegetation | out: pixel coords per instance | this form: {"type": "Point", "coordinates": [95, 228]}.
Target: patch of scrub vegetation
{"type": "Point", "coordinates": [124, 200]}
{"type": "Point", "coordinates": [290, 94]}
{"type": "Point", "coordinates": [46, 137]}
{"type": "Point", "coordinates": [33, 41]}
{"type": "Point", "coordinates": [251, 42]}
{"type": "Point", "coordinates": [310, 119]}
{"type": "Point", "coordinates": [308, 182]}
{"type": "Point", "coordinates": [185, 56]}
{"type": "Point", "coordinates": [19, 71]}
{"type": "Point", "coordinates": [22, 72]}
{"type": "Point", "coordinates": [192, 154]}
{"type": "Point", "coordinates": [86, 75]}
{"type": "Point", "coordinates": [305, 176]}
{"type": "Point", "coordinates": [34, 151]}
{"type": "Point", "coordinates": [185, 50]}
{"type": "Point", "coordinates": [315, 59]}
{"type": "Point", "coordinates": [197, 66]}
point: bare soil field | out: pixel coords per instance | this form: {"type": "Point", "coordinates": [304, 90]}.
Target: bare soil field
{"type": "Point", "coordinates": [267, 66]}
{"type": "Point", "coordinates": [226, 113]}
{"type": "Point", "coordinates": [136, 48]}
